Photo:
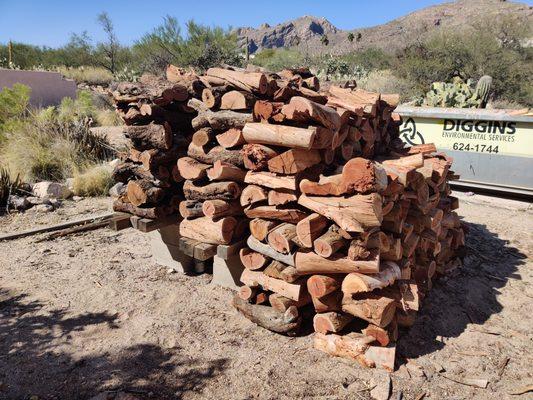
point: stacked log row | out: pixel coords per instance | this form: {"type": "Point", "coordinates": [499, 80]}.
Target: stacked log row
{"type": "Point", "coordinates": [159, 125]}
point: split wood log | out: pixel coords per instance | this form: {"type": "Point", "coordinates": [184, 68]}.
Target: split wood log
{"type": "Point", "coordinates": [357, 101]}
{"type": "Point", "coordinates": [330, 242]}
{"type": "Point", "coordinates": [322, 285]}
{"type": "Point", "coordinates": [203, 136]}
{"type": "Point", "coordinates": [189, 168]}
{"type": "Point", "coordinates": [352, 214]}
{"type": "Point", "coordinates": [280, 198]}
{"type": "Point", "coordinates": [222, 171]}
{"type": "Point", "coordinates": [259, 228]}
{"type": "Point", "coordinates": [252, 260]}
{"type": "Point", "coordinates": [270, 180]}
{"type": "Point", "coordinates": [359, 283]}
{"type": "Point", "coordinates": [384, 336]}
{"type": "Point", "coordinates": [278, 270]}
{"type": "Point", "coordinates": [293, 161]}
{"type": "Point", "coordinates": [331, 322]}
{"type": "Point", "coordinates": [328, 303]}
{"type": "Point", "coordinates": [252, 194]}
{"type": "Point", "coordinates": [281, 303]}
{"type": "Point", "coordinates": [237, 100]}
{"type": "Point", "coordinates": [281, 213]}
{"type": "Point", "coordinates": [309, 263]}
{"type": "Point", "coordinates": [266, 111]}
{"type": "Point", "coordinates": [248, 81]}
{"type": "Point", "coordinates": [150, 136]}
{"type": "Point", "coordinates": [354, 346]}
{"type": "Point", "coordinates": [151, 159]}
{"type": "Point", "coordinates": [217, 153]}
{"type": "Point", "coordinates": [206, 230]}
{"type": "Point", "coordinates": [304, 110]}
{"type": "Point", "coordinates": [150, 212]}
{"type": "Point", "coordinates": [212, 96]}
{"type": "Point", "coordinates": [143, 192]}
{"type": "Point", "coordinates": [293, 291]}
{"type": "Point", "coordinates": [265, 249]}
{"type": "Point", "coordinates": [371, 307]}
{"type": "Point", "coordinates": [256, 156]}
{"type": "Point", "coordinates": [358, 250]}
{"type": "Point", "coordinates": [361, 176]}
{"type": "Point", "coordinates": [211, 191]}
{"type": "Point", "coordinates": [326, 186]}
{"type": "Point", "coordinates": [247, 293]}
{"type": "Point", "coordinates": [221, 208]}
{"type": "Point", "coordinates": [220, 120]}
{"type": "Point", "coordinates": [231, 138]}
{"type": "Point", "coordinates": [281, 237]}
{"type": "Point", "coordinates": [191, 209]}
{"type": "Point", "coordinates": [279, 135]}
{"type": "Point", "coordinates": [286, 323]}
{"type": "Point", "coordinates": [310, 228]}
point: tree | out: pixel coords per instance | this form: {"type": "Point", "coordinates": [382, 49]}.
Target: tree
{"type": "Point", "coordinates": [111, 47]}
{"type": "Point", "coordinates": [324, 40]}
{"type": "Point", "coordinates": [351, 37]}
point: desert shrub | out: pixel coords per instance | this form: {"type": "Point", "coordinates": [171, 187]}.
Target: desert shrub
{"type": "Point", "coordinates": [335, 68]}
{"type": "Point", "coordinates": [8, 185]}
{"type": "Point", "coordinates": [385, 81]}
{"type": "Point", "coordinates": [95, 180]}
{"type": "Point", "coordinates": [13, 104]}
{"type": "Point", "coordinates": [278, 59]}
{"type": "Point", "coordinates": [369, 59]}
{"type": "Point", "coordinates": [81, 108]}
{"type": "Point", "coordinates": [107, 118]}
{"type": "Point", "coordinates": [48, 149]}
{"type": "Point", "coordinates": [87, 74]}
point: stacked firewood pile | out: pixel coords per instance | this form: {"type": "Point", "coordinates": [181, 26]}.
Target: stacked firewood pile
{"type": "Point", "coordinates": [347, 229]}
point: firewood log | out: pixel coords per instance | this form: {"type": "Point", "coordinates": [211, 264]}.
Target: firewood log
{"type": "Point", "coordinates": [331, 322]}
{"type": "Point", "coordinates": [352, 214]}
{"type": "Point", "coordinates": [279, 135]}
{"type": "Point", "coordinates": [330, 242]}
{"type": "Point", "coordinates": [294, 291]}
{"type": "Point", "coordinates": [221, 208]}
{"type": "Point", "coordinates": [276, 269]}
{"type": "Point", "coordinates": [149, 212]}
{"type": "Point", "coordinates": [247, 81]}
{"type": "Point", "coordinates": [358, 250]}
{"type": "Point", "coordinates": [281, 303]}
{"type": "Point", "coordinates": [256, 156]}
{"type": "Point", "coordinates": [217, 153]}
{"type": "Point", "coordinates": [359, 283]}
{"type": "Point", "coordinates": [212, 96]}
{"type": "Point", "coordinates": [248, 293]}
{"type": "Point", "coordinates": [143, 192]}
{"type": "Point", "coordinates": [293, 161]}
{"type": "Point", "coordinates": [206, 230]}
{"type": "Point", "coordinates": [328, 303]}
{"type": "Point", "coordinates": [265, 249]}
{"type": "Point", "coordinates": [237, 100]}
{"type": "Point", "coordinates": [279, 197]}
{"type": "Point", "coordinates": [310, 263]}
{"type": "Point", "coordinates": [220, 120]}
{"type": "Point", "coordinates": [260, 228]}
{"type": "Point", "coordinates": [371, 307]}
{"type": "Point", "coordinates": [310, 228]}
{"type": "Point", "coordinates": [384, 336]}
{"type": "Point", "coordinates": [211, 191]}
{"type": "Point", "coordinates": [358, 101]}
{"type": "Point", "coordinates": [287, 323]}
{"type": "Point", "coordinates": [225, 171]}
{"type": "Point", "coordinates": [191, 209]}
{"type": "Point", "coordinates": [158, 136]}
{"type": "Point", "coordinates": [191, 169]}
{"type": "Point", "coordinates": [266, 111]}
{"type": "Point", "coordinates": [252, 194]}
{"type": "Point", "coordinates": [282, 213]}
{"type": "Point", "coordinates": [322, 285]}
{"type": "Point", "coordinates": [304, 110]}
{"type": "Point", "coordinates": [270, 180]}
{"type": "Point", "coordinates": [281, 237]}
{"type": "Point", "coordinates": [252, 260]}
{"type": "Point", "coordinates": [231, 138]}
{"type": "Point", "coordinates": [203, 136]}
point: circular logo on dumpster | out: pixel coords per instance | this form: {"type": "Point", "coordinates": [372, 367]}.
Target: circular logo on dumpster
{"type": "Point", "coordinates": [410, 134]}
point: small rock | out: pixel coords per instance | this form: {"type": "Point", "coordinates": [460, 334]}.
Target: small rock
{"type": "Point", "coordinates": [36, 200]}
{"type": "Point", "coordinates": [117, 190]}
{"type": "Point", "coordinates": [171, 271]}
{"type": "Point", "coordinates": [114, 163]}
{"type": "Point", "coordinates": [18, 203]}
{"type": "Point", "coordinates": [51, 189]}
{"type": "Point", "coordinates": [77, 198]}
{"type": "Point", "coordinates": [43, 208]}
{"type": "Point", "coordinates": [70, 183]}
{"type": "Point", "coordinates": [383, 388]}
{"type": "Point", "coordinates": [54, 203]}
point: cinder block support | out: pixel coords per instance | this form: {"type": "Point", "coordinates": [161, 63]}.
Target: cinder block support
{"type": "Point", "coordinates": [227, 273]}
{"type": "Point", "coordinates": [165, 249]}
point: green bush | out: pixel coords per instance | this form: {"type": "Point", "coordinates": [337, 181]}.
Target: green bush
{"type": "Point", "coordinates": [278, 59]}
{"type": "Point", "coordinates": [7, 185]}
{"type": "Point", "coordinates": [87, 74]}
{"type": "Point", "coordinates": [13, 104]}
{"type": "Point", "coordinates": [81, 108]}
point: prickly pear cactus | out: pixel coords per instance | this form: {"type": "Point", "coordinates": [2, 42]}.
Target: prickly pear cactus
{"type": "Point", "coordinates": [483, 88]}
{"type": "Point", "coordinates": [454, 94]}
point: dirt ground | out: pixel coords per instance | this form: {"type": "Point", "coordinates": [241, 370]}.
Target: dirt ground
{"type": "Point", "coordinates": [93, 313]}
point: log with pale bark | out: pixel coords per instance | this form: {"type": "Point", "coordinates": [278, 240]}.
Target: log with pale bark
{"type": "Point", "coordinates": [310, 228]}
{"type": "Point", "coordinates": [151, 136]}
{"type": "Point", "coordinates": [205, 230]}
{"type": "Point", "coordinates": [359, 283]}
{"type": "Point", "coordinates": [331, 322]}
{"type": "Point", "coordinates": [221, 208]}
{"type": "Point", "coordinates": [330, 242]}
{"type": "Point", "coordinates": [211, 191]}
{"type": "Point", "coordinates": [268, 251]}
{"type": "Point", "coordinates": [237, 100]}
{"type": "Point", "coordinates": [294, 291]}
{"type": "Point", "coordinates": [371, 307]}
{"type": "Point", "coordinates": [191, 209]}
{"type": "Point", "coordinates": [248, 81]}
{"type": "Point", "coordinates": [293, 161]}
{"type": "Point", "coordinates": [309, 263]}
{"type": "Point", "coordinates": [281, 238]}
{"type": "Point", "coordinates": [217, 153]}
{"type": "Point", "coordinates": [281, 213]}
{"type": "Point", "coordinates": [259, 228]}
{"type": "Point", "coordinates": [223, 171]}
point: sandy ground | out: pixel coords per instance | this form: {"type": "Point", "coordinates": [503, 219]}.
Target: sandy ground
{"type": "Point", "coordinates": [93, 313]}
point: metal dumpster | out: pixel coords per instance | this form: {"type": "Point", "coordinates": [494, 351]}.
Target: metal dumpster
{"type": "Point", "coordinates": [492, 149]}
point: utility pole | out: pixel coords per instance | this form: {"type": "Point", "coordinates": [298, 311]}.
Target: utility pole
{"type": "Point", "coordinates": [10, 54]}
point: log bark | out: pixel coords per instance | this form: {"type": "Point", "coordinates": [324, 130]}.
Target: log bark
{"type": "Point", "coordinates": [287, 323]}
{"type": "Point", "coordinates": [279, 135]}
{"type": "Point", "coordinates": [265, 249]}
{"type": "Point", "coordinates": [212, 96]}
{"type": "Point", "coordinates": [259, 228]}
{"type": "Point", "coordinates": [231, 138]}
{"type": "Point", "coordinates": [331, 322]}
{"type": "Point", "coordinates": [248, 81]}
{"type": "Point", "coordinates": [206, 230]}
{"type": "Point", "coordinates": [223, 171]}
{"type": "Point", "coordinates": [281, 303]}
{"type": "Point", "coordinates": [373, 308]}
{"type": "Point", "coordinates": [237, 100]}
{"type": "Point", "coordinates": [191, 169]}
{"type": "Point", "coordinates": [357, 250]}
{"type": "Point", "coordinates": [310, 228]}
{"type": "Point", "coordinates": [285, 214]}
{"type": "Point", "coordinates": [191, 209]}
{"type": "Point", "coordinates": [221, 208]}
{"type": "Point", "coordinates": [360, 283]}
{"type": "Point", "coordinates": [293, 291]}
{"type": "Point", "coordinates": [310, 263]}
{"type": "Point", "coordinates": [278, 270]}
{"type": "Point", "coordinates": [304, 110]}
{"type": "Point", "coordinates": [270, 180]}
{"type": "Point", "coordinates": [217, 153]}
{"type": "Point", "coordinates": [280, 198]}
{"type": "Point", "coordinates": [143, 192]}
{"type": "Point", "coordinates": [203, 136]}
{"type": "Point", "coordinates": [256, 156]}
{"type": "Point", "coordinates": [328, 303]}
{"type": "Point", "coordinates": [211, 191]}
{"type": "Point", "coordinates": [252, 194]}
{"type": "Point", "coordinates": [220, 120]}
{"type": "Point", "coordinates": [252, 260]}
{"type": "Point", "coordinates": [293, 161]}
{"type": "Point", "coordinates": [352, 214]}
{"type": "Point", "coordinates": [150, 212]}
{"type": "Point", "coordinates": [281, 237]}
{"type": "Point", "coordinates": [330, 242]}
{"type": "Point", "coordinates": [150, 136]}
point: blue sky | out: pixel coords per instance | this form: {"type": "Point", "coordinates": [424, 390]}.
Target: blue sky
{"type": "Point", "coordinates": [50, 22]}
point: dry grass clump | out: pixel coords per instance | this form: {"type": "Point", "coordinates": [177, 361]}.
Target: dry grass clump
{"type": "Point", "coordinates": [93, 181]}
{"type": "Point", "coordinates": [107, 118]}
{"type": "Point", "coordinates": [89, 75]}
{"type": "Point", "coordinates": [384, 81]}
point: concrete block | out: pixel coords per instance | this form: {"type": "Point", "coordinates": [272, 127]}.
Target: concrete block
{"type": "Point", "coordinates": [227, 273]}
{"type": "Point", "coordinates": [170, 255]}
{"type": "Point", "coordinates": [168, 234]}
